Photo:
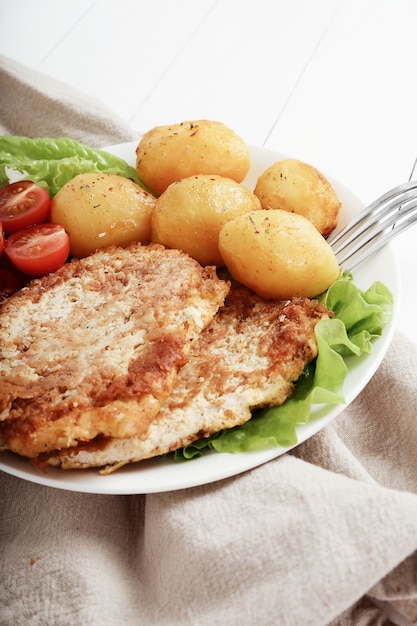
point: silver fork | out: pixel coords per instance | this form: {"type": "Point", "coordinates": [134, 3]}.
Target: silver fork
{"type": "Point", "coordinates": [375, 226]}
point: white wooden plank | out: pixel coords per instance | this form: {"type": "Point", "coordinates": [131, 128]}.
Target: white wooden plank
{"type": "Point", "coordinates": [120, 49]}
{"type": "Point", "coordinates": [30, 30]}
{"type": "Point", "coordinates": [158, 62]}
{"type": "Point", "coordinates": [240, 65]}
{"type": "Point", "coordinates": [353, 112]}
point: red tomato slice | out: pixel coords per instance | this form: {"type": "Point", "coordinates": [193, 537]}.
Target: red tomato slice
{"type": "Point", "coordinates": [23, 204]}
{"type": "Point", "coordinates": [38, 250]}
{"type": "Point", "coordinates": [1, 239]}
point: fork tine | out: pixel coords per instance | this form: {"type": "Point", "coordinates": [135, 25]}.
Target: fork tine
{"type": "Point", "coordinates": [399, 219]}
{"type": "Point", "coordinates": [371, 214]}
{"type": "Point", "coordinates": [375, 221]}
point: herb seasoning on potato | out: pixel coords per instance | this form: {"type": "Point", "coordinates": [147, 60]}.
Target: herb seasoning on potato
{"type": "Point", "coordinates": [168, 153]}
{"type": "Point", "coordinates": [190, 213]}
{"type": "Point", "coordinates": [278, 254]}
{"type": "Point", "coordinates": [99, 210]}
{"type": "Point", "coordinates": [298, 187]}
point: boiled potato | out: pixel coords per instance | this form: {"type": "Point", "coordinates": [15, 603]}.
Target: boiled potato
{"type": "Point", "coordinates": [278, 254]}
{"type": "Point", "coordinates": [190, 213]}
{"type": "Point", "coordinates": [298, 187]}
{"type": "Point", "coordinates": [99, 210]}
{"type": "Point", "coordinates": [167, 153]}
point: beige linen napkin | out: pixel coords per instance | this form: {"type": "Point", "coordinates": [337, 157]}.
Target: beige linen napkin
{"type": "Point", "coordinates": [35, 105]}
{"type": "Point", "coordinates": [325, 535]}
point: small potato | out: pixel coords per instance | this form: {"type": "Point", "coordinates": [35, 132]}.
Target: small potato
{"type": "Point", "coordinates": [167, 153]}
{"type": "Point", "coordinates": [298, 187]}
{"type": "Point", "coordinates": [190, 213]}
{"type": "Point", "coordinates": [99, 210]}
{"type": "Point", "coordinates": [278, 254]}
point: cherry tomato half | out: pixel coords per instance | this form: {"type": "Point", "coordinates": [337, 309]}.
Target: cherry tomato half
{"type": "Point", "coordinates": [23, 204]}
{"type": "Point", "coordinates": [39, 249]}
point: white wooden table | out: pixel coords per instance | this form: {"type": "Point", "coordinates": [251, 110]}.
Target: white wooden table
{"type": "Point", "coordinates": [331, 82]}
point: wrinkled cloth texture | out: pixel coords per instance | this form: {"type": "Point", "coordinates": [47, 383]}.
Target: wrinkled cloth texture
{"type": "Point", "coordinates": [323, 535]}
{"type": "Point", "coordinates": [35, 105]}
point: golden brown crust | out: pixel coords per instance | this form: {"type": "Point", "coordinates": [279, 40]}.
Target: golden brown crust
{"type": "Point", "coordinates": [95, 347]}
{"type": "Point", "coordinates": [248, 356]}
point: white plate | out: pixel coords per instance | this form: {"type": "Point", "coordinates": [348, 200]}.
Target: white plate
{"type": "Point", "coordinates": [166, 475]}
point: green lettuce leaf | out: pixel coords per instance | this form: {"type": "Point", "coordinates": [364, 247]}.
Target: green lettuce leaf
{"type": "Point", "coordinates": [364, 314]}
{"type": "Point", "coordinates": [53, 162]}
{"type": "Point", "coordinates": [359, 317]}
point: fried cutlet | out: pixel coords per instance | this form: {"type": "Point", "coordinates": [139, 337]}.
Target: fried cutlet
{"type": "Point", "coordinates": [248, 356]}
{"type": "Point", "coordinates": [94, 349]}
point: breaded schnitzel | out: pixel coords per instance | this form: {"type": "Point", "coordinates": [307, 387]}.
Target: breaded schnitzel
{"type": "Point", "coordinates": [248, 356]}
{"type": "Point", "coordinates": [95, 348]}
